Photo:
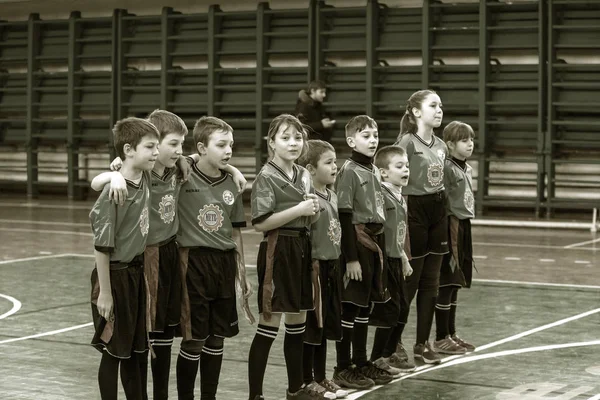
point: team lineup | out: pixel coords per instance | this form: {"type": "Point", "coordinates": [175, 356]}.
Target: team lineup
{"type": "Point", "coordinates": [343, 249]}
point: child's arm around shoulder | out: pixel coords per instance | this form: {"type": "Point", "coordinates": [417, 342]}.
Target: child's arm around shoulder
{"type": "Point", "coordinates": [118, 186]}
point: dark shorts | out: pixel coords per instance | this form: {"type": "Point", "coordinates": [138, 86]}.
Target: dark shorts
{"type": "Point", "coordinates": [427, 224]}
{"type": "Point", "coordinates": [208, 304]}
{"type": "Point", "coordinates": [161, 266]}
{"type": "Point", "coordinates": [127, 334]}
{"type": "Point", "coordinates": [460, 241]}
{"type": "Point", "coordinates": [374, 277]}
{"type": "Point", "coordinates": [330, 277]}
{"type": "Point", "coordinates": [292, 286]}
{"type": "Point", "coordinates": [386, 315]}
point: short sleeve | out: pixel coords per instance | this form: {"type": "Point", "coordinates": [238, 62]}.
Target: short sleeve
{"type": "Point", "coordinates": [263, 198]}
{"type": "Point", "coordinates": [238, 217]}
{"type": "Point", "coordinates": [345, 188]}
{"type": "Point", "coordinates": [103, 218]}
{"type": "Point", "coordinates": [406, 144]}
{"type": "Point", "coordinates": [449, 177]}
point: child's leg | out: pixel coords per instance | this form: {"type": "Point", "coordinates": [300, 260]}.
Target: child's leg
{"type": "Point", "coordinates": [427, 296]}
{"type": "Point", "coordinates": [107, 376]}
{"type": "Point", "coordinates": [295, 324]}
{"type": "Point", "coordinates": [320, 361]}
{"type": "Point", "coordinates": [187, 367]}
{"type": "Point", "coordinates": [210, 367]}
{"type": "Point", "coordinates": [382, 336]}
{"type": "Point", "coordinates": [442, 312]}
{"type": "Point", "coordinates": [359, 337]}
{"type": "Point", "coordinates": [395, 336]}
{"type": "Point", "coordinates": [452, 314]}
{"type": "Point", "coordinates": [161, 365]}
{"type": "Point", "coordinates": [343, 355]}
{"type": "Point", "coordinates": [131, 375]}
{"type": "Point", "coordinates": [308, 361]}
{"type": "Point", "coordinates": [266, 333]}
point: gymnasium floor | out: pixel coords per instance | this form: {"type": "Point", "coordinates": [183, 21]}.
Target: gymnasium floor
{"type": "Point", "coordinates": [533, 310]}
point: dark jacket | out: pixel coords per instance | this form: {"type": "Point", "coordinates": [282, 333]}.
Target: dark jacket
{"type": "Point", "coordinates": [310, 113]}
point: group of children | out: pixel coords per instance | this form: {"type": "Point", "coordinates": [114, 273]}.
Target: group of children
{"type": "Point", "coordinates": [342, 250]}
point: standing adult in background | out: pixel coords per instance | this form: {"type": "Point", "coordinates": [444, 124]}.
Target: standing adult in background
{"type": "Point", "coordinates": [309, 110]}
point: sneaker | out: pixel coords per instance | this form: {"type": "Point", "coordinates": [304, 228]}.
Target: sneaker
{"type": "Point", "coordinates": [259, 397]}
{"type": "Point", "coordinates": [464, 344]}
{"type": "Point", "coordinates": [402, 364]}
{"type": "Point", "coordinates": [332, 387]}
{"type": "Point", "coordinates": [376, 374]}
{"type": "Point", "coordinates": [351, 378]}
{"type": "Point", "coordinates": [425, 353]}
{"type": "Point", "coordinates": [401, 352]}
{"type": "Point", "coordinates": [382, 364]}
{"type": "Point", "coordinates": [448, 346]}
{"type": "Point", "coordinates": [320, 391]}
{"type": "Point", "coordinates": [307, 392]}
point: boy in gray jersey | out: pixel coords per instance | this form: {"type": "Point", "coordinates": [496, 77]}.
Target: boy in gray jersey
{"type": "Point", "coordinates": [118, 286]}
{"type": "Point", "coordinates": [457, 266]}
{"type": "Point", "coordinates": [362, 214]}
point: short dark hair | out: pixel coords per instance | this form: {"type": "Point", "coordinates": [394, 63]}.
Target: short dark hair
{"type": "Point", "coordinates": [456, 131]}
{"type": "Point", "coordinates": [289, 120]}
{"type": "Point", "coordinates": [385, 154]}
{"type": "Point", "coordinates": [131, 131]}
{"type": "Point", "coordinates": [205, 126]}
{"type": "Point", "coordinates": [359, 123]}
{"type": "Point", "coordinates": [316, 148]}
{"type": "Point", "coordinates": [166, 122]}
{"type": "Point", "coordinates": [316, 85]}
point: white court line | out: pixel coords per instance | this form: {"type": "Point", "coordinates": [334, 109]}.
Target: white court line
{"type": "Point", "coordinates": [26, 221]}
{"type": "Point", "coordinates": [547, 260]}
{"type": "Point", "coordinates": [596, 397]}
{"type": "Point", "coordinates": [47, 231]}
{"type": "Point", "coordinates": [44, 257]}
{"type": "Point", "coordinates": [581, 262]}
{"type": "Point", "coordinates": [16, 306]}
{"type": "Point", "coordinates": [57, 206]}
{"type": "Point", "coordinates": [527, 283]}
{"type": "Point", "coordinates": [481, 257]}
{"type": "Point", "coordinates": [50, 333]}
{"type": "Point", "coordinates": [512, 258]}
{"type": "Point", "coordinates": [582, 243]}
{"type": "Point", "coordinates": [534, 246]}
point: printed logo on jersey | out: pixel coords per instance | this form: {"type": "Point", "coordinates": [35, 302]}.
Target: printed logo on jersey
{"type": "Point", "coordinates": [173, 182]}
{"type": "Point", "coordinates": [304, 183]}
{"type": "Point", "coordinates": [166, 209]}
{"type": "Point", "coordinates": [435, 174]}
{"type": "Point", "coordinates": [441, 154]}
{"type": "Point", "coordinates": [335, 231]}
{"type": "Point", "coordinates": [469, 201]}
{"type": "Point", "coordinates": [144, 222]}
{"type": "Point", "coordinates": [210, 218]}
{"type": "Point", "coordinates": [379, 202]}
{"type": "Point", "coordinates": [401, 234]}
{"type": "Point", "coordinates": [228, 197]}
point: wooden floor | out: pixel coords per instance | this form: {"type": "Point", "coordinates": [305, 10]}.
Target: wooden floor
{"type": "Point", "coordinates": [533, 310]}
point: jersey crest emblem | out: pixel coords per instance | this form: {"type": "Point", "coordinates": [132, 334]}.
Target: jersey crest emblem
{"type": "Point", "coordinates": [335, 231]}
{"type": "Point", "coordinates": [435, 174]}
{"type": "Point", "coordinates": [469, 201]}
{"type": "Point", "coordinates": [166, 209]}
{"type": "Point", "coordinates": [379, 203]}
{"type": "Point", "coordinates": [401, 234]}
{"type": "Point", "coordinates": [210, 218]}
{"type": "Point", "coordinates": [144, 222]}
{"type": "Point", "coordinates": [228, 197]}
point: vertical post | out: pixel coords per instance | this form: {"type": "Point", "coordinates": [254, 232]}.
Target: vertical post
{"type": "Point", "coordinates": [120, 63]}
{"type": "Point", "coordinates": [312, 40]}
{"type": "Point", "coordinates": [319, 58]}
{"type": "Point", "coordinates": [371, 35]}
{"type": "Point", "coordinates": [165, 56]}
{"type": "Point", "coordinates": [72, 147]}
{"type": "Point", "coordinates": [33, 42]}
{"type": "Point", "coordinates": [484, 65]}
{"type": "Point", "coordinates": [261, 63]}
{"type": "Point", "coordinates": [213, 27]}
{"type": "Point", "coordinates": [115, 78]}
{"type": "Point", "coordinates": [425, 44]}
{"type": "Point", "coordinates": [549, 168]}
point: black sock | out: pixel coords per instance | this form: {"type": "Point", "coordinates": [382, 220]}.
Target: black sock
{"type": "Point", "coordinates": [108, 374]}
{"type": "Point", "coordinates": [359, 337]}
{"type": "Point", "coordinates": [442, 312]}
{"type": "Point", "coordinates": [131, 375]}
{"type": "Point", "coordinates": [257, 359]}
{"type": "Point", "coordinates": [382, 336]}
{"type": "Point", "coordinates": [188, 363]}
{"type": "Point", "coordinates": [161, 365]}
{"type": "Point", "coordinates": [425, 310]}
{"type": "Point", "coordinates": [211, 360]}
{"type": "Point", "coordinates": [292, 350]}
{"type": "Point", "coordinates": [343, 355]}
{"type": "Point", "coordinates": [394, 338]}
{"type": "Point", "coordinates": [320, 364]}
{"type": "Point", "coordinates": [308, 359]}
{"type": "Point", "coordinates": [452, 316]}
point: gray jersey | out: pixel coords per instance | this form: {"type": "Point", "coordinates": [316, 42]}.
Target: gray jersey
{"type": "Point", "coordinates": [164, 194]}
{"type": "Point", "coordinates": [426, 164]}
{"type": "Point", "coordinates": [395, 223]}
{"type": "Point", "coordinates": [326, 233]}
{"type": "Point", "coordinates": [358, 189]}
{"type": "Point", "coordinates": [209, 209]}
{"type": "Point", "coordinates": [459, 190]}
{"type": "Point", "coordinates": [274, 191]}
{"type": "Point", "coordinates": [122, 231]}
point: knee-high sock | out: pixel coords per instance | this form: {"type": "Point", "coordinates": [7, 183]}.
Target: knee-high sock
{"type": "Point", "coordinates": [343, 354]}
{"type": "Point", "coordinates": [379, 342]}
{"type": "Point", "coordinates": [257, 359]}
{"type": "Point", "coordinates": [425, 310]}
{"type": "Point", "coordinates": [188, 363]}
{"type": "Point", "coordinates": [359, 337]}
{"type": "Point", "coordinates": [452, 317]}
{"type": "Point", "coordinates": [131, 375]}
{"type": "Point", "coordinates": [396, 333]}
{"type": "Point", "coordinates": [211, 360]}
{"type": "Point", "coordinates": [442, 312]}
{"type": "Point", "coordinates": [320, 365]}
{"type": "Point", "coordinates": [108, 374]}
{"type": "Point", "coordinates": [161, 365]}
{"type": "Point", "coordinates": [308, 359]}
{"type": "Point", "coordinates": [292, 343]}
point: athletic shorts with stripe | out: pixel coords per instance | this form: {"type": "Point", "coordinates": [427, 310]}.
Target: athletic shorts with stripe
{"type": "Point", "coordinates": [459, 234]}
{"type": "Point", "coordinates": [208, 305]}
{"type": "Point", "coordinates": [385, 315]}
{"type": "Point", "coordinates": [127, 333]}
{"type": "Point", "coordinates": [330, 277]}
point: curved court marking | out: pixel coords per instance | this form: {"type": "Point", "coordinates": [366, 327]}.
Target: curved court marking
{"type": "Point", "coordinates": [52, 223]}
{"type": "Point", "coordinates": [595, 370]}
{"type": "Point", "coordinates": [45, 257]}
{"type": "Point", "coordinates": [48, 231]}
{"type": "Point", "coordinates": [525, 283]}
{"type": "Point", "coordinates": [50, 333]}
{"type": "Point", "coordinates": [16, 306]}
